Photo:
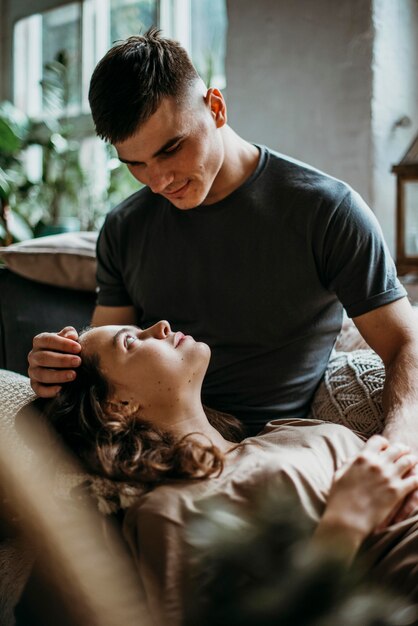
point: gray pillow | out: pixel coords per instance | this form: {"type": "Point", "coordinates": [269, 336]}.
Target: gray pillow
{"type": "Point", "coordinates": [66, 260]}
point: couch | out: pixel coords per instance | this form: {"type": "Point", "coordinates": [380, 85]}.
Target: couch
{"type": "Point", "coordinates": [34, 297]}
{"type": "Point", "coordinates": [45, 284]}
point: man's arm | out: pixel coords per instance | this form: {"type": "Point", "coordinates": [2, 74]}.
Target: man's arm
{"type": "Point", "coordinates": [55, 355]}
{"type": "Point", "coordinates": [392, 332]}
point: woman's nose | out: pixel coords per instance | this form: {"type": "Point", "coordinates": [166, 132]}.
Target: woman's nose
{"type": "Point", "coordinates": [161, 329]}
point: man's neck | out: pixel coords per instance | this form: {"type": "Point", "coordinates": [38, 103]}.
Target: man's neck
{"type": "Point", "coordinates": [240, 160]}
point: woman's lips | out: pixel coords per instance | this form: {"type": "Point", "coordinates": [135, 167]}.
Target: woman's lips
{"type": "Point", "coordinates": [179, 338]}
{"type": "Point", "coordinates": [179, 192]}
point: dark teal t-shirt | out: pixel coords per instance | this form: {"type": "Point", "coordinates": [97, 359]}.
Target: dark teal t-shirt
{"type": "Point", "coordinates": [261, 276]}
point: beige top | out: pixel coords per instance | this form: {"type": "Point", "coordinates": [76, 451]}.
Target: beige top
{"type": "Point", "coordinates": [301, 453]}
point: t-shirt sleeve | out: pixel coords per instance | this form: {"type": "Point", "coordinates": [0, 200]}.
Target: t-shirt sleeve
{"type": "Point", "coordinates": [355, 261]}
{"type": "Point", "coordinates": [111, 289]}
{"type": "Point", "coordinates": [156, 542]}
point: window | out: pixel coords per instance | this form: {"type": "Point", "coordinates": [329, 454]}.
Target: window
{"type": "Point", "coordinates": [208, 39]}
{"type": "Point", "coordinates": [128, 17]}
{"type": "Point", "coordinates": [38, 41]}
{"type": "Point", "coordinates": [77, 35]}
{"type": "Point", "coordinates": [86, 31]}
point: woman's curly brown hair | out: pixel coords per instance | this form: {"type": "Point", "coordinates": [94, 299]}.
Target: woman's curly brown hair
{"type": "Point", "coordinates": [127, 447]}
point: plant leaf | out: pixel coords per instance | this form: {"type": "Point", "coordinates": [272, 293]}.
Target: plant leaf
{"type": "Point", "coordinates": [4, 185]}
{"type": "Point", "coordinates": [9, 141]}
{"type": "Point", "coordinates": [15, 118]}
{"type": "Point", "coordinates": [18, 227]}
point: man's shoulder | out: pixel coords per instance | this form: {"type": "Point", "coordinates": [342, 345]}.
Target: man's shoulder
{"type": "Point", "coordinates": [298, 176]}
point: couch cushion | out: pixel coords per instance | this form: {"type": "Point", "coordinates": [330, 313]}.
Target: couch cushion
{"type": "Point", "coordinates": [349, 338]}
{"type": "Point", "coordinates": [28, 308]}
{"type": "Point", "coordinates": [66, 260]}
{"type": "Point", "coordinates": [69, 486]}
{"type": "Point", "coordinates": [15, 392]}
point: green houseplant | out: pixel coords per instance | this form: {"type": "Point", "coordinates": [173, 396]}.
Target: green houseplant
{"type": "Point", "coordinates": [62, 175]}
{"type": "Point", "coordinates": [15, 135]}
{"type": "Point", "coordinates": [61, 197]}
{"type": "Point", "coordinates": [49, 204]}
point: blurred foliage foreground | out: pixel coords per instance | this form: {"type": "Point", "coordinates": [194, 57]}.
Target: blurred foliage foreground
{"type": "Point", "coordinates": [259, 569]}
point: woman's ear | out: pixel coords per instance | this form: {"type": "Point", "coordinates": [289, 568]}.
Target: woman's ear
{"type": "Point", "coordinates": [217, 105]}
{"type": "Point", "coordinates": [122, 407]}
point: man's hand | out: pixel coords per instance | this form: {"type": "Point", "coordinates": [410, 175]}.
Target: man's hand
{"type": "Point", "coordinates": [51, 360]}
{"type": "Point", "coordinates": [365, 492]}
{"type": "Point", "coordinates": [410, 504]}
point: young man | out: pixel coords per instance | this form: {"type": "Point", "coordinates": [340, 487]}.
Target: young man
{"type": "Point", "coordinates": [243, 248]}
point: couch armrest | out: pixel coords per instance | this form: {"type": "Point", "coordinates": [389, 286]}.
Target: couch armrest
{"type": "Point", "coordinates": [28, 308]}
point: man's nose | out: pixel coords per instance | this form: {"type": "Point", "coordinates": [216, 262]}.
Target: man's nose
{"type": "Point", "coordinates": [159, 179]}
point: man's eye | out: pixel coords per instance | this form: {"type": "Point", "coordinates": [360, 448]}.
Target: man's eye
{"type": "Point", "coordinates": [129, 339]}
{"type": "Point", "coordinates": [173, 149]}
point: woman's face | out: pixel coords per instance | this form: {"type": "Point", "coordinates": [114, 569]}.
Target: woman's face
{"type": "Point", "coordinates": [154, 368]}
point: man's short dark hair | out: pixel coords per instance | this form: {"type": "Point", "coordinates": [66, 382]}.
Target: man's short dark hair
{"type": "Point", "coordinates": [133, 77]}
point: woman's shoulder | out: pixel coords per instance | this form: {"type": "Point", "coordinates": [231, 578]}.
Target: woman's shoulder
{"type": "Point", "coordinates": [172, 501]}
{"type": "Point", "coordinates": [307, 431]}
{"type": "Point", "coordinates": [168, 501]}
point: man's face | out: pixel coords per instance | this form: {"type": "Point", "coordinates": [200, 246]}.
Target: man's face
{"type": "Point", "coordinates": [178, 152]}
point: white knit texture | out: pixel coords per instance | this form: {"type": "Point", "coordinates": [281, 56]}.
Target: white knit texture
{"type": "Point", "coordinates": [351, 392]}
{"type": "Point", "coordinates": [15, 392]}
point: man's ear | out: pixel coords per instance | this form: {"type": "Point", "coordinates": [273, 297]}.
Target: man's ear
{"type": "Point", "coordinates": [217, 105]}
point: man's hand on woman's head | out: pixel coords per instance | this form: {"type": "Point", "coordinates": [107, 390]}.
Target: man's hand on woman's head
{"type": "Point", "coordinates": [52, 361]}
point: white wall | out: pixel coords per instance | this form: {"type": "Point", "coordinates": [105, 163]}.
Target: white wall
{"type": "Point", "coordinates": [395, 95]}
{"type": "Point", "coordinates": [4, 47]}
{"type": "Point", "coordinates": [316, 80]}
{"type": "Point", "coordinates": [299, 79]}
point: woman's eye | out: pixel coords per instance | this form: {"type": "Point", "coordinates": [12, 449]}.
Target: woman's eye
{"type": "Point", "coordinates": [129, 339]}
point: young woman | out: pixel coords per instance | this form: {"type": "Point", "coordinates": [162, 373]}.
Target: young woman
{"type": "Point", "coordinates": [134, 413]}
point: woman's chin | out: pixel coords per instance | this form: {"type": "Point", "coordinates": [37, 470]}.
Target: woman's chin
{"type": "Point", "coordinates": [205, 350]}
{"type": "Point", "coordinates": [201, 360]}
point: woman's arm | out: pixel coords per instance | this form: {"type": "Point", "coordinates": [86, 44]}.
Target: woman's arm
{"type": "Point", "coordinates": [365, 495]}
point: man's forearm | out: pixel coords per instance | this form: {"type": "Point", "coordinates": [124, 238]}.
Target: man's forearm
{"type": "Point", "coordinates": [400, 393]}
{"type": "Point", "coordinates": [392, 331]}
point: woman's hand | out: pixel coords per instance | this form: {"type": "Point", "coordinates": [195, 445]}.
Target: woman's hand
{"type": "Point", "coordinates": [367, 491]}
